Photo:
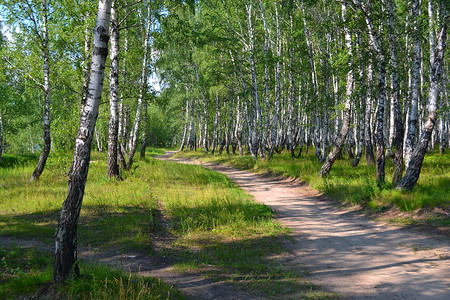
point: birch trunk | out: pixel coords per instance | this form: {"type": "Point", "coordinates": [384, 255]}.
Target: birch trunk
{"type": "Point", "coordinates": [99, 141]}
{"type": "Point", "coordinates": [123, 117]}
{"type": "Point", "coordinates": [370, 159]}
{"type": "Point", "coordinates": [238, 129]}
{"type": "Point", "coordinates": [66, 232]}
{"type": "Point", "coordinates": [359, 129]}
{"type": "Point", "coordinates": [326, 167]}
{"type": "Point", "coordinates": [380, 151]}
{"type": "Point", "coordinates": [413, 112]}
{"type": "Point", "coordinates": [142, 87]}
{"type": "Point", "coordinates": [126, 130]}
{"type": "Point", "coordinates": [277, 84]}
{"type": "Point", "coordinates": [397, 120]}
{"type": "Point", "coordinates": [415, 165]}
{"type": "Point", "coordinates": [205, 111]}
{"type": "Point", "coordinates": [444, 118]}
{"type": "Point", "coordinates": [46, 88]}
{"type": "Point", "coordinates": [239, 119]}
{"type": "Point", "coordinates": [376, 44]}
{"type": "Point", "coordinates": [216, 121]}
{"type": "Point", "coordinates": [186, 122]}
{"type": "Point", "coordinates": [290, 128]}
{"type": "Point", "coordinates": [144, 130]}
{"type": "Point", "coordinates": [86, 60]}
{"type": "Point", "coordinates": [314, 84]}
{"type": "Point", "coordinates": [255, 117]}
{"type": "Point", "coordinates": [266, 80]}
{"type": "Point", "coordinates": [191, 136]}
{"type": "Point", "coordinates": [112, 165]}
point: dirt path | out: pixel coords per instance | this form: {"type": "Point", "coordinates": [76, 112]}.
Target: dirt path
{"type": "Point", "coordinates": [345, 252]}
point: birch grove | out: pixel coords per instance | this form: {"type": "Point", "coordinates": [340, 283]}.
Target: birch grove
{"type": "Point", "coordinates": [361, 82]}
{"type": "Point", "coordinates": [276, 52]}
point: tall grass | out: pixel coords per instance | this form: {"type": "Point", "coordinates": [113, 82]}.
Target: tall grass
{"type": "Point", "coordinates": [353, 185]}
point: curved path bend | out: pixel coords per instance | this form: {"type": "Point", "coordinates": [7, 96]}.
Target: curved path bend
{"type": "Point", "coordinates": [346, 252]}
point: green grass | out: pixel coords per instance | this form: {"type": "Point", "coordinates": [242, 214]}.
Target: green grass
{"type": "Point", "coordinates": [213, 226]}
{"type": "Point", "coordinates": [11, 160]}
{"type": "Point", "coordinates": [27, 271]}
{"type": "Point", "coordinates": [353, 185]}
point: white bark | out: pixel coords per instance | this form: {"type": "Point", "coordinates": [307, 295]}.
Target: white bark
{"type": "Point", "coordinates": [46, 88]}
{"type": "Point", "coordinates": [376, 45]}
{"type": "Point", "coordinates": [142, 89]}
{"type": "Point", "coordinates": [86, 60]}
{"type": "Point", "coordinates": [339, 144]}
{"type": "Point", "coordinates": [66, 232]}
{"type": "Point", "coordinates": [255, 117]}
{"type": "Point", "coordinates": [204, 140]}
{"type": "Point", "coordinates": [277, 83]}
{"type": "Point", "coordinates": [186, 122]}
{"type": "Point", "coordinates": [113, 128]}
{"type": "Point", "coordinates": [413, 112]}
{"type": "Point", "coordinates": [266, 81]}
{"type": "Point", "coordinates": [415, 165]}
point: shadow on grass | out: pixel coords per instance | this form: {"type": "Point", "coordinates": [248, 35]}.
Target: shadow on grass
{"type": "Point", "coordinates": [38, 225]}
{"type": "Point", "coordinates": [124, 226]}
{"type": "Point", "coordinates": [252, 264]}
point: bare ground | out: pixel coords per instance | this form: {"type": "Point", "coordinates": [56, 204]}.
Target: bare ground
{"type": "Point", "coordinates": [346, 252]}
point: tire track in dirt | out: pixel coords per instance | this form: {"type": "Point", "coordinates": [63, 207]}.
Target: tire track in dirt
{"type": "Point", "coordinates": [346, 252]}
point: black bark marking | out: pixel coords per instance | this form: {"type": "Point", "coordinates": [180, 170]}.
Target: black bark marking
{"type": "Point", "coordinates": [102, 51]}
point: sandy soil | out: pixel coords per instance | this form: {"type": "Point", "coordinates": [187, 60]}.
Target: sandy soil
{"type": "Point", "coordinates": [346, 252]}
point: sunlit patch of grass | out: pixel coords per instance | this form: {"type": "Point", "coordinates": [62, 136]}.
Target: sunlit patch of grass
{"type": "Point", "coordinates": [352, 185]}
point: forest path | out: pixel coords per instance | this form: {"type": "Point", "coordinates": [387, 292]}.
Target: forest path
{"type": "Point", "coordinates": [346, 252]}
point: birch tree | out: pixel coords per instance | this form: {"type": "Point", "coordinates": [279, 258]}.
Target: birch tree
{"type": "Point", "coordinates": [33, 20]}
{"type": "Point", "coordinates": [413, 111]}
{"type": "Point", "coordinates": [142, 89]}
{"type": "Point", "coordinates": [66, 231]}
{"type": "Point", "coordinates": [437, 65]}
{"type": "Point", "coordinates": [376, 44]}
{"type": "Point", "coordinates": [397, 120]}
{"type": "Point", "coordinates": [112, 165]}
{"type": "Point", "coordinates": [326, 167]}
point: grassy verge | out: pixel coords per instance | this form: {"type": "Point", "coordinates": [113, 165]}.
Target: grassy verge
{"type": "Point", "coordinates": [214, 228]}
{"type": "Point", "coordinates": [28, 272]}
{"type": "Point", "coordinates": [357, 186]}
